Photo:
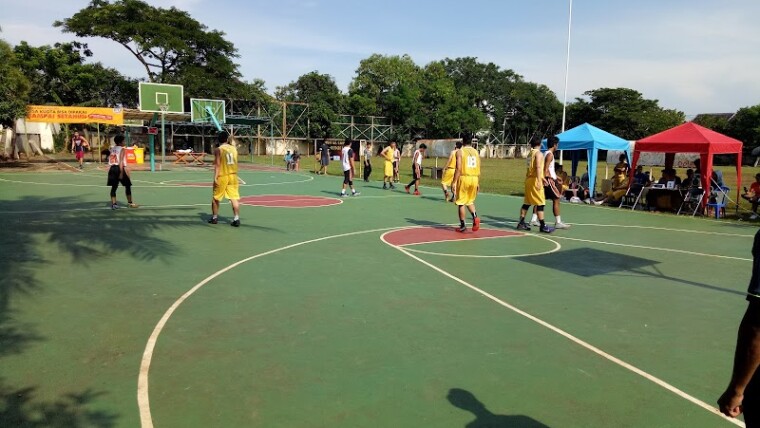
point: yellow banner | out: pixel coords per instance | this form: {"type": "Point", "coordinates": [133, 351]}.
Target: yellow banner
{"type": "Point", "coordinates": [58, 114]}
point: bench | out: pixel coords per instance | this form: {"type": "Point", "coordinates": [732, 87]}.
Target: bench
{"type": "Point", "coordinates": [436, 172]}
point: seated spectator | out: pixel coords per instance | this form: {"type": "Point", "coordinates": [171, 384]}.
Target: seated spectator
{"type": "Point", "coordinates": [623, 164]}
{"type": "Point", "coordinates": [619, 188]}
{"type": "Point", "coordinates": [584, 191]}
{"type": "Point", "coordinates": [640, 177]}
{"type": "Point", "coordinates": [753, 195]}
{"type": "Point", "coordinates": [689, 181]}
{"type": "Point", "coordinates": [663, 177]}
{"type": "Point", "coordinates": [674, 177]}
{"type": "Point", "coordinates": [562, 177]}
{"type": "Point", "coordinates": [716, 185]}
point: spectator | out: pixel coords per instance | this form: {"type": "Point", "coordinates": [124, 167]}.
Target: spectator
{"type": "Point", "coordinates": [689, 182]}
{"type": "Point", "coordinates": [295, 161]}
{"type": "Point", "coordinates": [619, 188]}
{"type": "Point", "coordinates": [367, 161]}
{"type": "Point", "coordinates": [288, 160]}
{"type": "Point", "coordinates": [324, 160]}
{"type": "Point", "coordinates": [623, 164]}
{"type": "Point", "coordinates": [584, 190]}
{"type": "Point", "coordinates": [753, 195]}
{"type": "Point", "coordinates": [716, 185]}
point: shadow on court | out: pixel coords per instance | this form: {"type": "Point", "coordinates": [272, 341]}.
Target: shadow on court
{"type": "Point", "coordinates": [465, 400]}
{"type": "Point", "coordinates": [19, 408]}
{"type": "Point", "coordinates": [81, 233]}
{"type": "Point", "coordinates": [589, 262]}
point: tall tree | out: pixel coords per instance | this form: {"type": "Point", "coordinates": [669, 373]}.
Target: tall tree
{"type": "Point", "coordinates": [745, 126]}
{"type": "Point", "coordinates": [392, 84]}
{"type": "Point", "coordinates": [171, 45]}
{"type": "Point", "coordinates": [323, 96]}
{"type": "Point", "coordinates": [59, 75]}
{"type": "Point", "coordinates": [447, 111]}
{"type": "Point", "coordinates": [623, 112]}
{"type": "Point", "coordinates": [14, 87]}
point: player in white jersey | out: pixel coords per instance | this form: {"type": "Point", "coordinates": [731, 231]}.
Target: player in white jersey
{"type": "Point", "coordinates": [553, 185]}
{"type": "Point", "coordinates": [419, 154]}
{"type": "Point", "coordinates": [347, 161]}
{"type": "Point", "coordinates": [118, 172]}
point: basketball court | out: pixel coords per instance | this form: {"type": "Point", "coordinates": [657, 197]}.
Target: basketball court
{"type": "Point", "coordinates": [360, 311]}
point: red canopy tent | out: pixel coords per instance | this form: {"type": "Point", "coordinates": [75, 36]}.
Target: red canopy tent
{"type": "Point", "coordinates": [692, 138]}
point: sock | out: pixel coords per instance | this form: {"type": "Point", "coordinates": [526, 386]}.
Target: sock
{"type": "Point", "coordinates": [522, 220]}
{"type": "Point", "coordinates": [534, 218]}
{"type": "Point", "coordinates": [214, 216]}
{"type": "Point", "coordinates": [343, 192]}
{"type": "Point", "coordinates": [353, 191]}
{"type": "Point", "coordinates": [558, 220]}
{"type": "Point", "coordinates": [474, 215]}
{"type": "Point", "coordinates": [237, 217]}
{"type": "Point", "coordinates": [542, 223]}
{"type": "Point", "coordinates": [461, 223]}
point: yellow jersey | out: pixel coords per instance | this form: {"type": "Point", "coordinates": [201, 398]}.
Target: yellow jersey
{"type": "Point", "coordinates": [228, 162]}
{"type": "Point", "coordinates": [452, 160]}
{"type": "Point", "coordinates": [535, 165]}
{"type": "Point", "coordinates": [470, 162]}
{"type": "Point", "coordinates": [388, 154]}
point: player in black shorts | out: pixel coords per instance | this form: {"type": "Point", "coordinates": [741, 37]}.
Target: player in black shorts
{"type": "Point", "coordinates": [119, 173]}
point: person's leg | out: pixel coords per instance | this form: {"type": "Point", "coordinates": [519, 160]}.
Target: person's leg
{"type": "Point", "coordinates": [214, 208]}
{"type": "Point", "coordinates": [462, 227]}
{"type": "Point", "coordinates": [523, 213]}
{"type": "Point", "coordinates": [475, 218]}
{"type": "Point", "coordinates": [346, 179]}
{"type": "Point", "coordinates": [534, 217]}
{"type": "Point", "coordinates": [235, 208]}
{"type": "Point", "coordinates": [113, 194]}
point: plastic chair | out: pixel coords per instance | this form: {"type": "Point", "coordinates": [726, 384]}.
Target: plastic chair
{"type": "Point", "coordinates": [720, 202]}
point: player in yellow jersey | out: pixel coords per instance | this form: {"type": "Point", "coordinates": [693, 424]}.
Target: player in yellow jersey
{"type": "Point", "coordinates": [387, 155]}
{"type": "Point", "coordinates": [534, 188]}
{"type": "Point", "coordinates": [467, 182]}
{"type": "Point", "coordinates": [448, 173]}
{"type": "Point", "coordinates": [226, 183]}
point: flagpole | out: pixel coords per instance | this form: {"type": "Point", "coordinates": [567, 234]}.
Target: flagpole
{"type": "Point", "coordinates": [567, 72]}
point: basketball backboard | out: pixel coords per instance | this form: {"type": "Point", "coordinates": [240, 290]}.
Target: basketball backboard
{"type": "Point", "coordinates": [199, 110]}
{"type": "Point", "coordinates": [161, 97]}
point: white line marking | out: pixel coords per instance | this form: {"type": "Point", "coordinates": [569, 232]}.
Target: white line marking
{"type": "Point", "coordinates": [556, 248]}
{"type": "Point", "coordinates": [644, 247]}
{"type": "Point", "coordinates": [662, 228]}
{"type": "Point", "coordinates": [572, 338]}
{"type": "Point", "coordinates": [474, 238]}
{"type": "Point", "coordinates": [143, 397]}
{"type": "Point", "coordinates": [105, 207]}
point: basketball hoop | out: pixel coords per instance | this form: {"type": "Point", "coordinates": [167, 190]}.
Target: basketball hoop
{"type": "Point", "coordinates": [163, 107]}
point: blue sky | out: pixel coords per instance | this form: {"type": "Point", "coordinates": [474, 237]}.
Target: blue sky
{"type": "Point", "coordinates": [696, 56]}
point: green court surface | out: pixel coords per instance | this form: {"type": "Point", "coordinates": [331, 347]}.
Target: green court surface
{"type": "Point", "coordinates": [365, 313]}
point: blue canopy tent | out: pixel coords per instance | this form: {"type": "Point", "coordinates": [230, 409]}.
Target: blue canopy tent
{"type": "Point", "coordinates": [592, 139]}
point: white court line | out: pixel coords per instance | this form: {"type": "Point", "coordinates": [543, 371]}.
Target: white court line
{"type": "Point", "coordinates": [106, 208]}
{"type": "Point", "coordinates": [143, 397]}
{"type": "Point", "coordinates": [556, 248]}
{"type": "Point", "coordinates": [474, 238]}
{"type": "Point", "coordinates": [644, 247]}
{"type": "Point", "coordinates": [574, 339]}
{"type": "Point", "coordinates": [662, 228]}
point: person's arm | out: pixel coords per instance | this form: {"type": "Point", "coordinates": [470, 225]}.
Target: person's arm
{"type": "Point", "coordinates": [217, 163]}
{"type": "Point", "coordinates": [539, 159]}
{"type": "Point", "coordinates": [414, 162]}
{"type": "Point", "coordinates": [72, 145]}
{"type": "Point", "coordinates": [746, 361]}
{"type": "Point", "coordinates": [122, 154]}
{"type": "Point", "coordinates": [548, 158]}
{"type": "Point", "coordinates": [457, 169]}
{"type": "Point", "coordinates": [85, 143]}
{"type": "Point", "coordinates": [351, 162]}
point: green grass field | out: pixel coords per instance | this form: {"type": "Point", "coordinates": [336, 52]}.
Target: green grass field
{"type": "Point", "coordinates": [367, 313]}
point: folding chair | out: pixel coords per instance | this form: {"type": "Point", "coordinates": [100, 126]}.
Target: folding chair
{"type": "Point", "coordinates": [631, 197]}
{"type": "Point", "coordinates": [692, 201]}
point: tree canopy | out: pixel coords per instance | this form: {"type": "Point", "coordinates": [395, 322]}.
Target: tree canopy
{"type": "Point", "coordinates": [59, 75]}
{"type": "Point", "coordinates": [171, 45]}
{"type": "Point", "coordinates": [623, 112]}
{"type": "Point", "coordinates": [14, 87]}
